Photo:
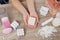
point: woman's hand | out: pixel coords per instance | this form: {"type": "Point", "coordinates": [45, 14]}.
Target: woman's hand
{"type": "Point", "coordinates": [26, 18]}
{"type": "Point", "coordinates": [26, 15]}
{"type": "Point", "coordinates": [31, 8]}
{"type": "Point", "coordinates": [34, 15]}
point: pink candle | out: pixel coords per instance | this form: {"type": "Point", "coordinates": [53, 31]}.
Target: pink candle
{"type": "Point", "coordinates": [7, 31]}
{"type": "Point", "coordinates": [5, 22]}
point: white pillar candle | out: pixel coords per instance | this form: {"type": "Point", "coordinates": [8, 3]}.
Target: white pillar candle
{"type": "Point", "coordinates": [47, 21]}
{"type": "Point", "coordinates": [14, 25]}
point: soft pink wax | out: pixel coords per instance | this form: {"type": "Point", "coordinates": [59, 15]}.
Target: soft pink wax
{"type": "Point", "coordinates": [7, 31]}
{"type": "Point", "coordinates": [6, 22]}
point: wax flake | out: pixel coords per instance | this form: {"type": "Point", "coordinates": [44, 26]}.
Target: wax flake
{"type": "Point", "coordinates": [47, 31]}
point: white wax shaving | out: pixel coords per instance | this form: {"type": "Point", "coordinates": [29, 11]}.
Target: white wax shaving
{"type": "Point", "coordinates": [20, 32]}
{"type": "Point", "coordinates": [47, 21]}
{"type": "Point", "coordinates": [31, 20]}
{"type": "Point", "coordinates": [56, 22]}
{"type": "Point", "coordinates": [47, 31]}
{"type": "Point", "coordinates": [44, 10]}
{"type": "Point", "coordinates": [14, 25]}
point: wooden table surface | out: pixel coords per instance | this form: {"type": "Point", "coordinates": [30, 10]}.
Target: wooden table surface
{"type": "Point", "coordinates": [30, 34]}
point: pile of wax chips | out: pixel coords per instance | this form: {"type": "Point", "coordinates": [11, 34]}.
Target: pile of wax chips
{"type": "Point", "coordinates": [47, 31]}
